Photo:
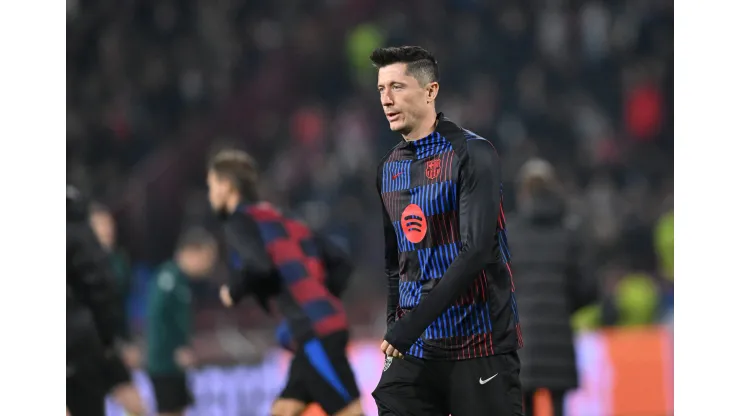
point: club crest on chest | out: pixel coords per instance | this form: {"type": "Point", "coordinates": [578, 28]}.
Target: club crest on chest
{"type": "Point", "coordinates": [433, 168]}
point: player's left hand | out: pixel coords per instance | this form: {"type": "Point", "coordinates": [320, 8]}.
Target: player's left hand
{"type": "Point", "coordinates": [226, 296]}
{"type": "Point", "coordinates": [389, 350]}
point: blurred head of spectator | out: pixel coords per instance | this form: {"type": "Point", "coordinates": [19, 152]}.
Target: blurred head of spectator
{"type": "Point", "coordinates": [537, 185]}
{"type": "Point", "coordinates": [196, 253]}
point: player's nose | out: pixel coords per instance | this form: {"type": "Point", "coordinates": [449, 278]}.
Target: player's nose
{"type": "Point", "coordinates": [385, 99]}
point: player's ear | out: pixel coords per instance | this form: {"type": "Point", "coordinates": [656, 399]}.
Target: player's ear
{"type": "Point", "coordinates": [432, 90]}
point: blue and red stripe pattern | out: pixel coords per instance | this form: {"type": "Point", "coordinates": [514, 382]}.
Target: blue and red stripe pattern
{"type": "Point", "coordinates": [426, 174]}
{"type": "Point", "coordinates": [506, 259]}
{"type": "Point", "coordinates": [294, 252]}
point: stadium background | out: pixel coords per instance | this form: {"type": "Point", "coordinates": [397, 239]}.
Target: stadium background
{"type": "Point", "coordinates": [153, 85]}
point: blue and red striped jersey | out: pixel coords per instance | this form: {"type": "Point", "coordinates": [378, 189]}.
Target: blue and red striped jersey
{"type": "Point", "coordinates": [451, 292]}
{"type": "Point", "coordinates": [274, 256]}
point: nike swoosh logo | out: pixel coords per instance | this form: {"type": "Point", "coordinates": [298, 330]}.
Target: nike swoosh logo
{"type": "Point", "coordinates": [395, 175]}
{"type": "Point", "coordinates": [481, 381]}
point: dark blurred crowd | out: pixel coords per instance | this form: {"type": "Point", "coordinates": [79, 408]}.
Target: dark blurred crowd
{"type": "Point", "coordinates": [587, 85]}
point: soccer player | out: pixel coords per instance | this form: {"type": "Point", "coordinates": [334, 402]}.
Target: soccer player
{"type": "Point", "coordinates": [94, 322]}
{"type": "Point", "coordinates": [274, 257]}
{"type": "Point", "coordinates": [453, 332]}
{"type": "Point", "coordinates": [169, 321]}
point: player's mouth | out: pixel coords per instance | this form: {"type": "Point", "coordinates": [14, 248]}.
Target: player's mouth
{"type": "Point", "coordinates": [392, 116]}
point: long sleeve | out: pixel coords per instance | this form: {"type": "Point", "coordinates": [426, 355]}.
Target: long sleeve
{"type": "Point", "coordinates": [184, 320]}
{"type": "Point", "coordinates": [581, 288]}
{"type": "Point", "coordinates": [249, 256]}
{"type": "Point", "coordinates": [93, 279]}
{"type": "Point", "coordinates": [391, 264]}
{"type": "Point", "coordinates": [479, 182]}
{"type": "Point", "coordinates": [338, 264]}
{"type": "Point", "coordinates": [156, 307]}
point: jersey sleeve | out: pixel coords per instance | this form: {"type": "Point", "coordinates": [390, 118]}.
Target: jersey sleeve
{"type": "Point", "coordinates": [254, 268]}
{"type": "Point", "coordinates": [391, 260]}
{"type": "Point", "coordinates": [479, 183]}
{"type": "Point", "coordinates": [338, 264]}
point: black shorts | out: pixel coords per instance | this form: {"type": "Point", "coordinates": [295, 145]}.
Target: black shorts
{"type": "Point", "coordinates": [171, 392]}
{"type": "Point", "coordinates": [474, 387]}
{"type": "Point", "coordinates": [320, 373]}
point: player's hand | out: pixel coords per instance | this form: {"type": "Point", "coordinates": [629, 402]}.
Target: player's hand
{"type": "Point", "coordinates": [129, 398]}
{"type": "Point", "coordinates": [185, 357]}
{"type": "Point", "coordinates": [226, 296]}
{"type": "Point", "coordinates": [389, 351]}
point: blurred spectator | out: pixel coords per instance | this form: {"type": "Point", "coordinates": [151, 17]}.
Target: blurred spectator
{"type": "Point", "coordinates": [549, 282]}
{"type": "Point", "coordinates": [664, 244]}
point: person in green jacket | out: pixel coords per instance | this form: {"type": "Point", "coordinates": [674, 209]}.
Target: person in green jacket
{"type": "Point", "coordinates": [169, 319]}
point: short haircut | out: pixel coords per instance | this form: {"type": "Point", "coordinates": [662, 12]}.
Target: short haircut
{"type": "Point", "coordinates": [420, 63]}
{"type": "Point", "coordinates": [196, 237]}
{"type": "Point", "coordinates": [238, 167]}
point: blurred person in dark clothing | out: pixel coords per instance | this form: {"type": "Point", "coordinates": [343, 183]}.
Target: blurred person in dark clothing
{"type": "Point", "coordinates": [453, 330]}
{"type": "Point", "coordinates": [94, 322]}
{"type": "Point", "coordinates": [277, 258]}
{"type": "Point", "coordinates": [549, 284]}
{"type": "Point", "coordinates": [104, 225]}
{"type": "Point", "coordinates": [169, 319]}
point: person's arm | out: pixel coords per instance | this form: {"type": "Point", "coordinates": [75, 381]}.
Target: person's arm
{"type": "Point", "coordinates": [94, 281]}
{"type": "Point", "coordinates": [183, 315]}
{"type": "Point", "coordinates": [157, 297]}
{"type": "Point", "coordinates": [391, 264]}
{"type": "Point", "coordinates": [581, 289]}
{"type": "Point", "coordinates": [123, 274]}
{"type": "Point", "coordinates": [480, 178]}
{"type": "Point", "coordinates": [254, 265]}
{"type": "Point", "coordinates": [338, 264]}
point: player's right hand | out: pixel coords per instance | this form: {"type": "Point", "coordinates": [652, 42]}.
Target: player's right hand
{"type": "Point", "coordinates": [226, 296]}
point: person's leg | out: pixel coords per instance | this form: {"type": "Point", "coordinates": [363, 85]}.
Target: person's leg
{"type": "Point", "coordinates": [405, 389]}
{"type": "Point", "coordinates": [529, 403]}
{"type": "Point", "coordinates": [329, 378]}
{"type": "Point", "coordinates": [292, 401]}
{"type": "Point", "coordinates": [558, 402]}
{"type": "Point", "coordinates": [171, 393]}
{"type": "Point", "coordinates": [121, 387]}
{"type": "Point", "coordinates": [486, 386]}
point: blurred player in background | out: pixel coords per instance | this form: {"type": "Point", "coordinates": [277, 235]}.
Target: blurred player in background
{"type": "Point", "coordinates": [169, 320]}
{"type": "Point", "coordinates": [94, 322]}
{"type": "Point", "coordinates": [451, 314]}
{"type": "Point", "coordinates": [277, 258]}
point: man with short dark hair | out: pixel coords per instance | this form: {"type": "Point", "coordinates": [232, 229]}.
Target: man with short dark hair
{"type": "Point", "coordinates": [276, 257]}
{"type": "Point", "coordinates": [453, 331]}
{"type": "Point", "coordinates": [169, 323]}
